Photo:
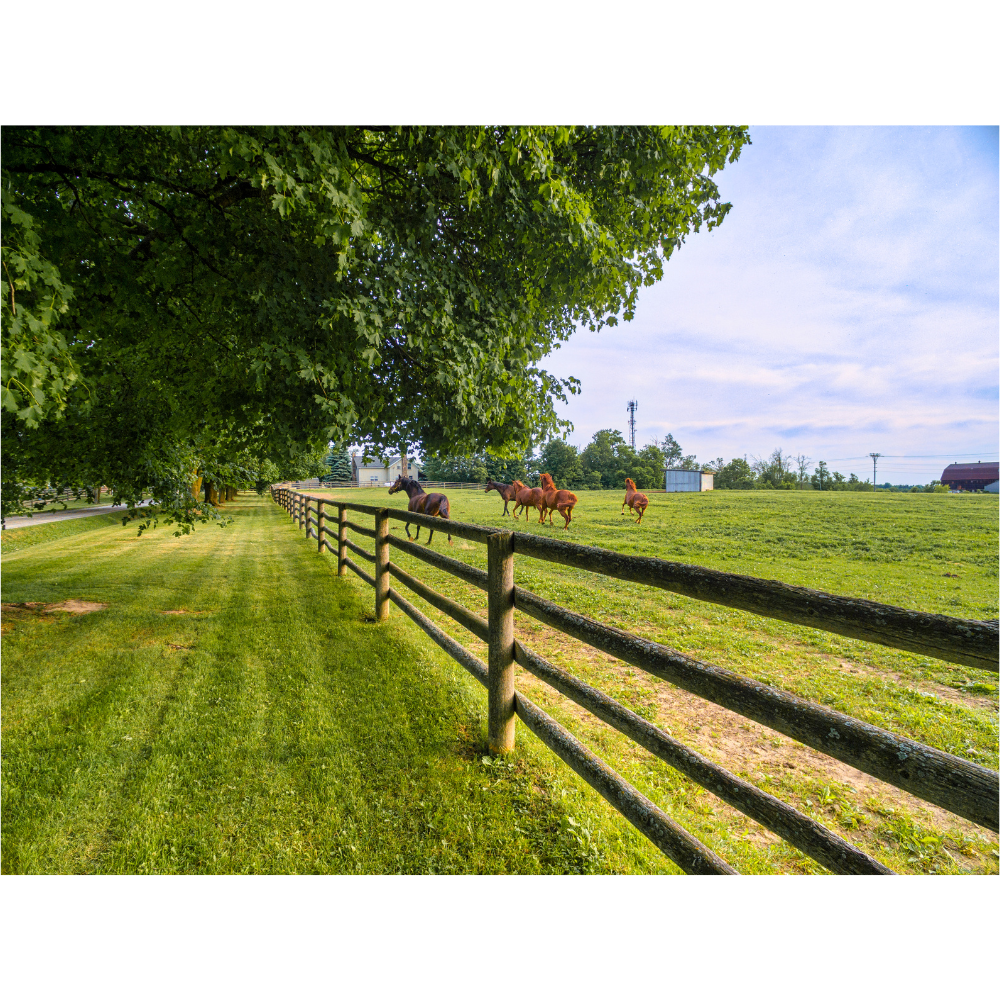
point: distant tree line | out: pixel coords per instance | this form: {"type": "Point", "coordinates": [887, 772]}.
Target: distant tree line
{"type": "Point", "coordinates": [792, 472]}
{"type": "Point", "coordinates": [781, 472]}
{"type": "Point", "coordinates": [607, 460]}
{"type": "Point", "coordinates": [603, 464]}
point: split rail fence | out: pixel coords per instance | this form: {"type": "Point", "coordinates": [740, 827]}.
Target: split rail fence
{"type": "Point", "coordinates": [957, 785]}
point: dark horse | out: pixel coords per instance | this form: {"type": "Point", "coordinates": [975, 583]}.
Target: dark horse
{"type": "Point", "coordinates": [431, 504]}
{"type": "Point", "coordinates": [507, 492]}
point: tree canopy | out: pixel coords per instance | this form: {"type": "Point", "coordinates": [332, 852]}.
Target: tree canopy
{"type": "Point", "coordinates": [207, 300]}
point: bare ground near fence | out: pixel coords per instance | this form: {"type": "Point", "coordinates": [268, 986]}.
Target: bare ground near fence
{"type": "Point", "coordinates": [761, 755]}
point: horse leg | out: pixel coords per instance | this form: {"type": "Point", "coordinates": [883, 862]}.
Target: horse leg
{"type": "Point", "coordinates": [641, 512]}
{"type": "Point", "coordinates": [406, 524]}
{"type": "Point", "coordinates": [417, 539]}
{"type": "Point", "coordinates": [430, 537]}
{"type": "Point", "coordinates": [623, 507]}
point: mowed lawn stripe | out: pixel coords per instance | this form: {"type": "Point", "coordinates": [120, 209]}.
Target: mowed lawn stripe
{"type": "Point", "coordinates": [273, 728]}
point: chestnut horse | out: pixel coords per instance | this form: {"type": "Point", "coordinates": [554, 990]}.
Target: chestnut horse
{"type": "Point", "coordinates": [555, 499]}
{"type": "Point", "coordinates": [431, 504]}
{"type": "Point", "coordinates": [526, 497]}
{"type": "Point", "coordinates": [636, 501]}
{"type": "Point", "coordinates": [507, 492]}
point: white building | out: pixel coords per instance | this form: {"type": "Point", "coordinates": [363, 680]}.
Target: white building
{"type": "Point", "coordinates": [687, 481]}
{"type": "Point", "coordinates": [375, 473]}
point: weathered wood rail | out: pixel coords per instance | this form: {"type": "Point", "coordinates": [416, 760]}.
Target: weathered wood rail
{"type": "Point", "coordinates": [955, 784]}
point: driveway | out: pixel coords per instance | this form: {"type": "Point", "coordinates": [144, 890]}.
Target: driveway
{"type": "Point", "coordinates": [45, 517]}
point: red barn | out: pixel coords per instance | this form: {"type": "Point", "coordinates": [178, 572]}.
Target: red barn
{"type": "Point", "coordinates": [970, 475]}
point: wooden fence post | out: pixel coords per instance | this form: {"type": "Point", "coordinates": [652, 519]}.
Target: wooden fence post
{"type": "Point", "coordinates": [341, 541]}
{"type": "Point", "coordinates": [305, 518]}
{"type": "Point", "coordinates": [500, 681]}
{"type": "Point", "coordinates": [320, 526]}
{"type": "Point", "coordinates": [382, 565]}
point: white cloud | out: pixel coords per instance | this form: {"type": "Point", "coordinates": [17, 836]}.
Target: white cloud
{"type": "Point", "coordinates": [848, 304]}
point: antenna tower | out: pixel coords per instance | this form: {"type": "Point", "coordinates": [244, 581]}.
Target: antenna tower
{"type": "Point", "coordinates": [633, 405]}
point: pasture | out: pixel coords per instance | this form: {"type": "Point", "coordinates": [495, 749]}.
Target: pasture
{"type": "Point", "coordinates": [939, 556]}
{"type": "Point", "coordinates": [272, 727]}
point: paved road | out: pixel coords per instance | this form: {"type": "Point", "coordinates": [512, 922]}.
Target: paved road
{"type": "Point", "coordinates": [45, 517]}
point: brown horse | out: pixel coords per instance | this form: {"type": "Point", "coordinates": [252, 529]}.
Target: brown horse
{"type": "Point", "coordinates": [636, 501]}
{"type": "Point", "coordinates": [526, 497]}
{"type": "Point", "coordinates": [431, 504]}
{"type": "Point", "coordinates": [556, 499]}
{"type": "Point", "coordinates": [507, 492]}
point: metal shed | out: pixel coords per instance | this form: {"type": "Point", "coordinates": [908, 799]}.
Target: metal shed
{"type": "Point", "coordinates": [687, 481]}
{"type": "Point", "coordinates": [970, 475]}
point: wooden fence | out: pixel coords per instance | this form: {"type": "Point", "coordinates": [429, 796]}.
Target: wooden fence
{"type": "Point", "coordinates": [957, 785]}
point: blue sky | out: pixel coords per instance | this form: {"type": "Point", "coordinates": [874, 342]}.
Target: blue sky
{"type": "Point", "coordinates": [848, 304]}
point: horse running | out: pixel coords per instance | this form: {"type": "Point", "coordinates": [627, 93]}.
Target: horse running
{"type": "Point", "coordinates": [555, 499]}
{"type": "Point", "coordinates": [527, 496]}
{"type": "Point", "coordinates": [431, 504]}
{"type": "Point", "coordinates": [507, 492]}
{"type": "Point", "coordinates": [636, 501]}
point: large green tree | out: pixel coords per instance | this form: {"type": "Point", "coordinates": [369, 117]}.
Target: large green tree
{"type": "Point", "coordinates": [562, 461]}
{"type": "Point", "coordinates": [181, 296]}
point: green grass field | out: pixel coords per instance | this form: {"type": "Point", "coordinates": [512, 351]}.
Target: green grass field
{"type": "Point", "coordinates": [930, 552]}
{"type": "Point", "coordinates": [272, 727]}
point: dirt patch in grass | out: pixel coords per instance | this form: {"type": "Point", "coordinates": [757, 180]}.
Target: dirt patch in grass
{"type": "Point", "coordinates": [75, 607]}
{"type": "Point", "coordinates": [955, 695]}
{"type": "Point", "coordinates": [731, 740]}
{"type": "Point", "coordinates": [36, 608]}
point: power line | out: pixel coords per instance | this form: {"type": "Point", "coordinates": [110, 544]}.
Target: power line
{"type": "Point", "coordinates": [858, 458]}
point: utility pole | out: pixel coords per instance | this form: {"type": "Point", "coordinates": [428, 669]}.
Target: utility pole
{"type": "Point", "coordinates": [632, 407]}
{"type": "Point", "coordinates": [874, 456]}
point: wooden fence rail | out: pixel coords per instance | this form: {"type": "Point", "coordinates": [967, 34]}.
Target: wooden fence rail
{"type": "Point", "coordinates": [951, 782]}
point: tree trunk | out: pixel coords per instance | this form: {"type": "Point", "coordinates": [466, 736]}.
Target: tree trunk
{"type": "Point", "coordinates": [196, 486]}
